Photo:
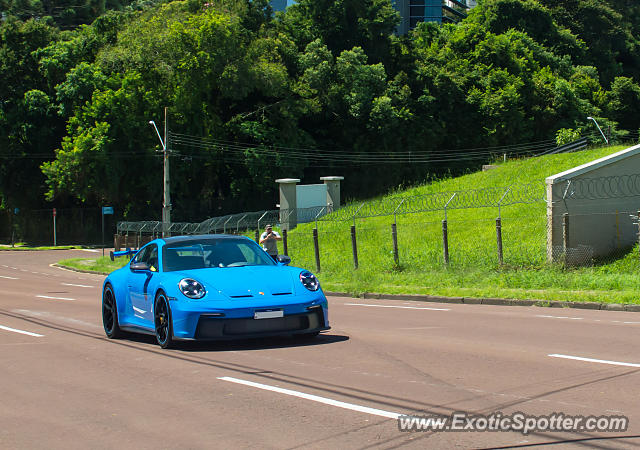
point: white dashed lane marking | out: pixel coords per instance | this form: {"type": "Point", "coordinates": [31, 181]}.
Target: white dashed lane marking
{"type": "Point", "coordinates": [77, 285]}
{"type": "Point", "coordinates": [55, 298]}
{"type": "Point", "coordinates": [393, 306]}
{"type": "Point", "coordinates": [587, 320]}
{"type": "Point", "coordinates": [597, 361]}
{"type": "Point", "coordinates": [9, 278]}
{"type": "Point", "coordinates": [13, 330]}
{"type": "Point", "coordinates": [560, 317]}
{"type": "Point", "coordinates": [315, 398]}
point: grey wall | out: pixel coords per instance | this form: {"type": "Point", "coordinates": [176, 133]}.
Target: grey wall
{"type": "Point", "coordinates": [599, 197]}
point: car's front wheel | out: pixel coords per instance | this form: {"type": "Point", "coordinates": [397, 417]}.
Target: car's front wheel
{"type": "Point", "coordinates": [110, 313]}
{"type": "Point", "coordinates": [163, 322]}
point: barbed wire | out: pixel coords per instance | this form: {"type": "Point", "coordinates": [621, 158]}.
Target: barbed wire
{"type": "Point", "coordinates": [601, 188]}
{"type": "Point", "coordinates": [440, 201]}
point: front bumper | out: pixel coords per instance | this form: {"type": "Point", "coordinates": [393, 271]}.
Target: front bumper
{"type": "Point", "coordinates": [220, 328]}
{"type": "Point", "coordinates": [196, 321]}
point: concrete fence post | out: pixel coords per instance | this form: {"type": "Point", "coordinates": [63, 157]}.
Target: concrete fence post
{"type": "Point", "coordinates": [499, 239]}
{"type": "Point", "coordinates": [285, 241]}
{"type": "Point", "coordinates": [565, 234]}
{"type": "Point", "coordinates": [394, 236]}
{"type": "Point", "coordinates": [445, 241]}
{"type": "Point", "coordinates": [316, 248]}
{"type": "Point", "coordinates": [639, 232]}
{"type": "Point", "coordinates": [354, 246]}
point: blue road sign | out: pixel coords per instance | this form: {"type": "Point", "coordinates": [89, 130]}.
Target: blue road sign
{"type": "Point", "coordinates": [107, 210]}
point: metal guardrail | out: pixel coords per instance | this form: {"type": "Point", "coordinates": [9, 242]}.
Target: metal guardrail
{"type": "Point", "coordinates": [574, 146]}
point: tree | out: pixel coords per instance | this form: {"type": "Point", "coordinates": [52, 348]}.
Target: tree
{"type": "Point", "coordinates": [623, 103]}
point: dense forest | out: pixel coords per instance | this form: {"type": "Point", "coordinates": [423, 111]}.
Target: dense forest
{"type": "Point", "coordinates": [325, 88]}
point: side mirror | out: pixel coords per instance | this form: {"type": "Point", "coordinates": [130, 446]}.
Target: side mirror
{"type": "Point", "coordinates": [139, 267]}
{"type": "Point", "coordinates": [284, 259]}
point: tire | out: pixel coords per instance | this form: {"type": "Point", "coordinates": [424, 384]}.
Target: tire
{"type": "Point", "coordinates": [110, 314]}
{"type": "Point", "coordinates": [162, 321]}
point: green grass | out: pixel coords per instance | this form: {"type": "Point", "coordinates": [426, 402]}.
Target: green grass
{"type": "Point", "coordinates": [103, 264]}
{"type": "Point", "coordinates": [473, 270]}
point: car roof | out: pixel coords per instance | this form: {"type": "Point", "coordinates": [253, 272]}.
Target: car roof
{"type": "Point", "coordinates": [199, 237]}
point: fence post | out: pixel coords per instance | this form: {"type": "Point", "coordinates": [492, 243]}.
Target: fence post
{"type": "Point", "coordinates": [354, 246]}
{"type": "Point", "coordinates": [316, 248]}
{"type": "Point", "coordinates": [285, 244]}
{"type": "Point", "coordinates": [394, 236]}
{"type": "Point", "coordinates": [565, 233]}
{"type": "Point", "coordinates": [499, 238]}
{"type": "Point", "coordinates": [445, 241]}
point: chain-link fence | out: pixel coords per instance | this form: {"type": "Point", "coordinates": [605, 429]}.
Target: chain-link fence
{"type": "Point", "coordinates": [491, 228]}
{"type": "Point", "coordinates": [517, 239]}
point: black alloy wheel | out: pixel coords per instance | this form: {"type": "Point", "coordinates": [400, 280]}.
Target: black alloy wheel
{"type": "Point", "coordinates": [163, 323]}
{"type": "Point", "coordinates": [110, 314]}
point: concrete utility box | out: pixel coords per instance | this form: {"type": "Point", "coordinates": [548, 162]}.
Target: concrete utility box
{"type": "Point", "coordinates": [333, 191]}
{"type": "Point", "coordinates": [300, 204]}
{"type": "Point", "coordinates": [598, 199]}
{"type": "Point", "coordinates": [288, 202]}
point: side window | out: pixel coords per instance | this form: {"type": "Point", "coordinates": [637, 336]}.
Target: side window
{"type": "Point", "coordinates": [149, 255]}
{"type": "Point", "coordinates": [141, 256]}
{"type": "Point", "coordinates": [153, 258]}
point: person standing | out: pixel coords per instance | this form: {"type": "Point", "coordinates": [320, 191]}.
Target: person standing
{"type": "Point", "coordinates": [269, 241]}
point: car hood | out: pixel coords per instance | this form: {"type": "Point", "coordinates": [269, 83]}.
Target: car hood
{"type": "Point", "coordinates": [245, 281]}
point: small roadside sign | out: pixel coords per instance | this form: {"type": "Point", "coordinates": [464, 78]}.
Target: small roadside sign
{"type": "Point", "coordinates": [54, 212]}
{"type": "Point", "coordinates": [107, 210]}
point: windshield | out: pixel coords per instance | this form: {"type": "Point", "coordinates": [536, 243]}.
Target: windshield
{"type": "Point", "coordinates": [213, 253]}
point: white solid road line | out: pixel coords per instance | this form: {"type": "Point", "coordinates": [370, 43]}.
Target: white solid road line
{"type": "Point", "coordinates": [88, 250]}
{"type": "Point", "coordinates": [315, 398]}
{"type": "Point", "coordinates": [9, 278]}
{"type": "Point", "coordinates": [21, 331]}
{"type": "Point", "coordinates": [55, 298]}
{"type": "Point", "coordinates": [599, 361]}
{"type": "Point", "coordinates": [393, 306]}
{"type": "Point", "coordinates": [77, 285]}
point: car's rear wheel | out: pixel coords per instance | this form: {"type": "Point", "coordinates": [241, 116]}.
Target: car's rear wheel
{"type": "Point", "coordinates": [163, 322]}
{"type": "Point", "coordinates": [110, 314]}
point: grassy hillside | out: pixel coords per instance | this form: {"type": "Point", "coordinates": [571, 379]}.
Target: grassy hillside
{"type": "Point", "coordinates": [473, 268]}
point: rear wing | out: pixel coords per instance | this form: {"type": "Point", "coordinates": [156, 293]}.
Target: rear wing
{"type": "Point", "coordinates": [128, 252]}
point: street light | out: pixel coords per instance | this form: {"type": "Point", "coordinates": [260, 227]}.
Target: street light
{"type": "Point", "coordinates": [166, 201]}
{"type": "Point", "coordinates": [594, 121]}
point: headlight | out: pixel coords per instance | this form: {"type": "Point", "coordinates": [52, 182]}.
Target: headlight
{"type": "Point", "coordinates": [309, 281]}
{"type": "Point", "coordinates": [191, 288]}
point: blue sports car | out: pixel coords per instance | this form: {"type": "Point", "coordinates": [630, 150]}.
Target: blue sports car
{"type": "Point", "coordinates": [211, 287]}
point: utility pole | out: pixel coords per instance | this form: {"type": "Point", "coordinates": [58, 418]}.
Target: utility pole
{"type": "Point", "coordinates": [166, 198]}
{"type": "Point", "coordinates": [166, 201]}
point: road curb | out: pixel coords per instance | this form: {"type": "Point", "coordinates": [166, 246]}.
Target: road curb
{"type": "Point", "coordinates": [491, 301]}
{"type": "Point", "coordinates": [73, 269]}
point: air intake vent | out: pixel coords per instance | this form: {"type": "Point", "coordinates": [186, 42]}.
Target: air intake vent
{"type": "Point", "coordinates": [241, 296]}
{"type": "Point", "coordinates": [282, 293]}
